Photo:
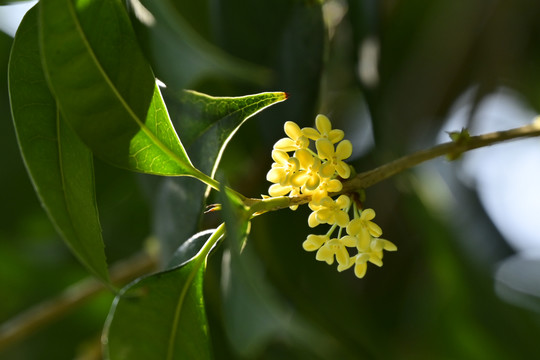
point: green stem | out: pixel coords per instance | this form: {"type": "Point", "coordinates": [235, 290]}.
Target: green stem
{"type": "Point", "coordinates": [212, 240]}
{"type": "Point", "coordinates": [258, 206]}
{"type": "Point", "coordinates": [214, 184]}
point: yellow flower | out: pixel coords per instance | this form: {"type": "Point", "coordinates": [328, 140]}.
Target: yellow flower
{"type": "Point", "coordinates": [330, 212]}
{"type": "Point", "coordinates": [334, 157]}
{"type": "Point", "coordinates": [333, 248]}
{"type": "Point", "coordinates": [363, 227]}
{"type": "Point", "coordinates": [360, 265]}
{"type": "Point", "coordinates": [308, 176]}
{"type": "Point", "coordinates": [314, 242]}
{"type": "Point", "coordinates": [296, 139]}
{"type": "Point", "coordinates": [279, 190]}
{"type": "Point", "coordinates": [382, 244]}
{"type": "Point", "coordinates": [324, 130]}
{"type": "Point", "coordinates": [283, 168]}
{"type": "Point", "coordinates": [326, 186]}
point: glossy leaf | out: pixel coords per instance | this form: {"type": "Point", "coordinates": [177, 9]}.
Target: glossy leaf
{"type": "Point", "coordinates": [59, 164]}
{"type": "Point", "coordinates": [179, 54]}
{"type": "Point", "coordinates": [162, 316]}
{"type": "Point", "coordinates": [254, 313]}
{"type": "Point", "coordinates": [106, 89]}
{"type": "Point", "coordinates": [205, 124]}
{"type": "Point", "coordinates": [250, 311]}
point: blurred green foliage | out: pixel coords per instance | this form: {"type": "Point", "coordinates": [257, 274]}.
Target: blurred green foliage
{"type": "Point", "coordinates": [434, 298]}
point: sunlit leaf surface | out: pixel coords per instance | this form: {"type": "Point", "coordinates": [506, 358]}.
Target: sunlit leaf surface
{"type": "Point", "coordinates": [205, 124]}
{"type": "Point", "coordinates": [106, 89]}
{"type": "Point", "coordinates": [59, 164]}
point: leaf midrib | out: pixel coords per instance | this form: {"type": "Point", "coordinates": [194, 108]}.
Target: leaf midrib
{"type": "Point", "coordinates": [124, 104]}
{"type": "Point", "coordinates": [201, 258]}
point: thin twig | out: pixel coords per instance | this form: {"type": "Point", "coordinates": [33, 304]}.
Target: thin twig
{"type": "Point", "coordinates": [52, 309]}
{"type": "Point", "coordinates": [369, 178]}
{"type": "Point", "coordinates": [372, 177]}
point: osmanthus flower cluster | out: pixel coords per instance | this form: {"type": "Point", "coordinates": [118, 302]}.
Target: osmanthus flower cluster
{"type": "Point", "coordinates": [299, 169]}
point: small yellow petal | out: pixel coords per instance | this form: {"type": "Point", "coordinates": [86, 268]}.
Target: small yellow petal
{"type": "Point", "coordinates": [276, 175]}
{"type": "Point", "coordinates": [349, 241]}
{"type": "Point", "coordinates": [360, 270]}
{"type": "Point", "coordinates": [314, 205]}
{"type": "Point", "coordinates": [342, 218]}
{"type": "Point", "coordinates": [293, 164]}
{"type": "Point", "coordinates": [334, 185]}
{"type": "Point", "coordinates": [344, 150]}
{"type": "Point", "coordinates": [374, 229]}
{"type": "Point", "coordinates": [314, 242]}
{"type": "Point", "coordinates": [304, 157]}
{"type": "Point", "coordinates": [327, 170]}
{"type": "Point", "coordinates": [342, 256]}
{"type": "Point", "coordinates": [367, 214]}
{"type": "Point", "coordinates": [364, 239]}
{"type": "Point", "coordinates": [326, 201]}
{"type": "Point", "coordinates": [285, 144]}
{"type": "Point", "coordinates": [361, 258]}
{"type": "Point", "coordinates": [388, 245]}
{"type": "Point", "coordinates": [354, 227]}
{"type": "Point", "coordinates": [312, 182]}
{"type": "Point", "coordinates": [323, 124]}
{"type": "Point", "coordinates": [292, 130]}
{"type": "Point", "coordinates": [312, 220]}
{"type": "Point", "coordinates": [325, 254]}
{"type": "Point", "coordinates": [343, 201]}
{"type": "Point", "coordinates": [325, 149]}
{"type": "Point", "coordinates": [341, 268]}
{"type": "Point", "coordinates": [279, 190]}
{"type": "Point", "coordinates": [375, 260]}
{"type": "Point", "coordinates": [299, 178]}
{"type": "Point", "coordinates": [316, 197]}
{"type": "Point", "coordinates": [343, 169]}
{"type": "Point", "coordinates": [324, 215]}
{"type": "Point", "coordinates": [336, 135]}
{"type": "Point", "coordinates": [280, 156]}
{"type": "Point", "coordinates": [376, 245]}
{"type": "Point", "coordinates": [311, 133]}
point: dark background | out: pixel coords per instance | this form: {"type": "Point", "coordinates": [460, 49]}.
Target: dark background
{"type": "Point", "coordinates": [435, 298]}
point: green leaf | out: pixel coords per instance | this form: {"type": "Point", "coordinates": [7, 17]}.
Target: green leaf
{"type": "Point", "coordinates": [249, 308]}
{"type": "Point", "coordinates": [205, 124]}
{"type": "Point", "coordinates": [179, 54]}
{"type": "Point", "coordinates": [106, 89]}
{"type": "Point", "coordinates": [59, 164]}
{"type": "Point", "coordinates": [162, 316]}
{"type": "Point", "coordinates": [254, 313]}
